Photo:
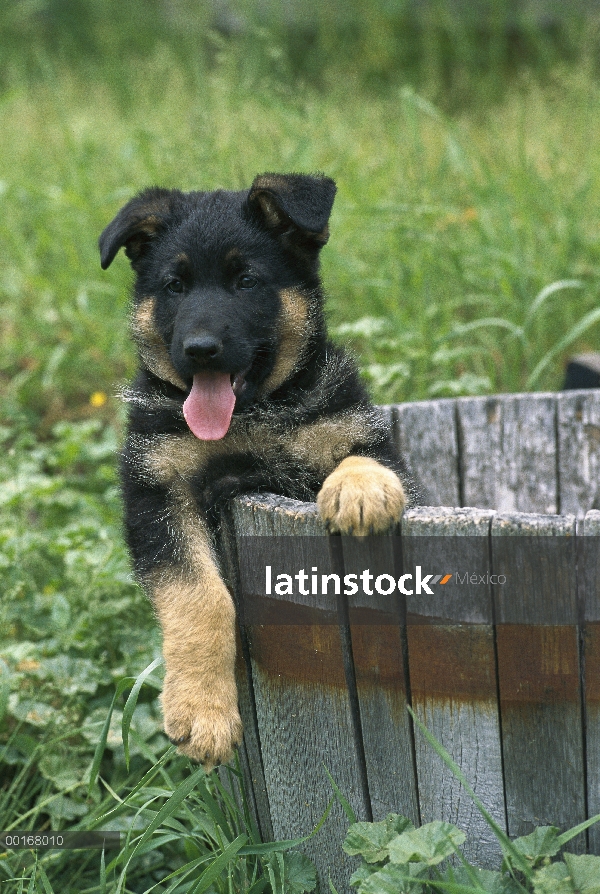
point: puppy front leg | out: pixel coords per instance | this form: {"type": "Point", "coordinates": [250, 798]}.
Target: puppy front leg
{"type": "Point", "coordinates": [172, 552]}
{"type": "Point", "coordinates": [199, 697]}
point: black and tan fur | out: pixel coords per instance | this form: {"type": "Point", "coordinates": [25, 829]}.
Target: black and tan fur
{"type": "Point", "coordinates": [235, 276]}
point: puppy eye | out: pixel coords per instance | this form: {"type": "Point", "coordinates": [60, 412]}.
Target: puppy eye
{"type": "Point", "coordinates": [175, 285]}
{"type": "Point", "coordinates": [246, 282]}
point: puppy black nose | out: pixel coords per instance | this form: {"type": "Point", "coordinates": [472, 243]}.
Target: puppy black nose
{"type": "Point", "coordinates": [202, 347]}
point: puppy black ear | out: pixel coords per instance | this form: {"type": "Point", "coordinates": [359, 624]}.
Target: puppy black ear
{"type": "Point", "coordinates": [139, 221]}
{"type": "Point", "coordinates": [294, 204]}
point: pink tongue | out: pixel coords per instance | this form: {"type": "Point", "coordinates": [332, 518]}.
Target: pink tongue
{"type": "Point", "coordinates": [209, 405]}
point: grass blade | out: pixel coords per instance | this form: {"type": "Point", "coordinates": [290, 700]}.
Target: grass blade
{"type": "Point", "coordinates": [213, 809]}
{"type": "Point", "coordinates": [168, 808]}
{"type": "Point", "coordinates": [131, 703]}
{"type": "Point", "coordinates": [143, 783]}
{"type": "Point", "coordinates": [273, 846]}
{"type": "Point", "coordinates": [350, 814]}
{"type": "Point", "coordinates": [45, 881]}
{"type": "Point", "coordinates": [102, 873]}
{"type": "Point", "coordinates": [549, 290]}
{"type": "Point", "coordinates": [487, 323]}
{"type": "Point", "coordinates": [582, 326]}
{"type": "Point", "coordinates": [214, 871]}
{"type": "Point", "coordinates": [180, 874]}
{"type": "Point", "coordinates": [4, 687]}
{"type": "Point", "coordinates": [571, 833]}
{"type": "Point", "coordinates": [99, 752]}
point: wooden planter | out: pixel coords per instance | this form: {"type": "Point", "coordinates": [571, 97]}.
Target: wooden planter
{"type": "Point", "coordinates": [507, 677]}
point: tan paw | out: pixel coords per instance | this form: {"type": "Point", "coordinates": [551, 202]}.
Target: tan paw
{"type": "Point", "coordinates": [203, 721]}
{"type": "Point", "coordinates": [361, 497]}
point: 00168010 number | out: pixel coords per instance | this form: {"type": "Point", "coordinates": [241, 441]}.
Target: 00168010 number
{"type": "Point", "coordinates": [60, 840]}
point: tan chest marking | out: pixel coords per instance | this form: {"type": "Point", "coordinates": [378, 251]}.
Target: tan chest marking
{"type": "Point", "coordinates": [322, 445]}
{"type": "Point", "coordinates": [171, 458]}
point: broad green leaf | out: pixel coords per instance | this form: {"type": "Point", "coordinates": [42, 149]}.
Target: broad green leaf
{"type": "Point", "coordinates": [64, 774]}
{"type": "Point", "coordinates": [393, 879]}
{"type": "Point", "coordinates": [71, 675]}
{"type": "Point", "coordinates": [364, 871]}
{"type": "Point", "coordinates": [430, 844]}
{"type": "Point", "coordinates": [543, 842]}
{"type": "Point", "coordinates": [585, 872]}
{"type": "Point", "coordinates": [397, 824]}
{"type": "Point", "coordinates": [63, 808]}
{"type": "Point", "coordinates": [553, 879]}
{"type": "Point", "coordinates": [299, 874]}
{"type": "Point", "coordinates": [370, 840]}
{"type": "Point", "coordinates": [367, 839]}
{"type": "Point", "coordinates": [579, 874]}
{"type": "Point", "coordinates": [31, 711]}
{"type": "Point", "coordinates": [487, 880]}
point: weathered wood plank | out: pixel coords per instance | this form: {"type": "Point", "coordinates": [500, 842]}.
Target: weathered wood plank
{"type": "Point", "coordinates": [378, 648]}
{"type": "Point", "coordinates": [453, 670]}
{"type": "Point", "coordinates": [425, 433]}
{"type": "Point", "coordinates": [249, 752]}
{"type": "Point", "coordinates": [299, 675]}
{"type": "Point", "coordinates": [589, 556]}
{"type": "Point", "coordinates": [507, 447]}
{"type": "Point", "coordinates": [579, 451]}
{"type": "Point", "coordinates": [538, 671]}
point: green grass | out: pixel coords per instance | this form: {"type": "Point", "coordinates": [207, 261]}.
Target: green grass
{"type": "Point", "coordinates": [439, 222]}
{"type": "Point", "coordinates": [464, 258]}
{"type": "Point", "coordinates": [73, 624]}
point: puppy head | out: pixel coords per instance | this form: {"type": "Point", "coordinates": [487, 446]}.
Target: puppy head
{"type": "Point", "coordinates": [227, 294]}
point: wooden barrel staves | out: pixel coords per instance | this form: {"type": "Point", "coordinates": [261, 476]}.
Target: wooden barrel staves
{"type": "Point", "coordinates": [500, 659]}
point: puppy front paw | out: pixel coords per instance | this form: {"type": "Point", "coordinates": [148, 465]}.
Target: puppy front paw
{"type": "Point", "coordinates": [361, 497]}
{"type": "Point", "coordinates": [201, 719]}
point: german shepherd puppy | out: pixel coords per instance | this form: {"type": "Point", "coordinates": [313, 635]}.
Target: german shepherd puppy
{"type": "Point", "coordinates": [238, 391]}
